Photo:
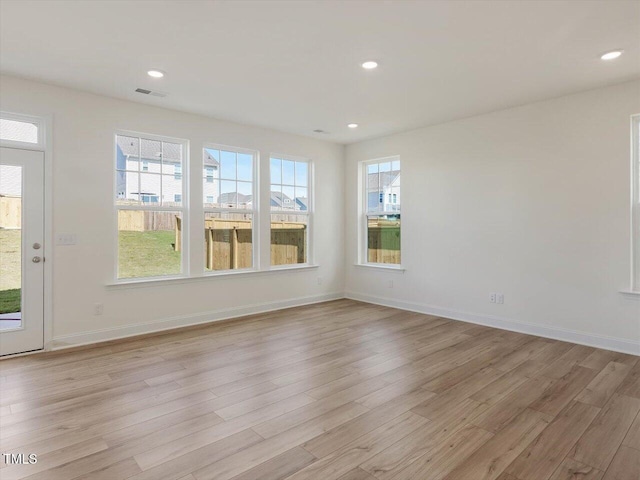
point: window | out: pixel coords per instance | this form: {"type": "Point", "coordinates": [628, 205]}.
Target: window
{"type": "Point", "coordinates": [209, 173]}
{"type": "Point", "coordinates": [381, 211]}
{"type": "Point", "coordinates": [290, 200]}
{"type": "Point", "coordinates": [18, 129]}
{"type": "Point", "coordinates": [149, 206]}
{"type": "Point", "coordinates": [635, 204]}
{"type": "Point", "coordinates": [230, 207]}
{"type": "Point", "coordinates": [177, 172]}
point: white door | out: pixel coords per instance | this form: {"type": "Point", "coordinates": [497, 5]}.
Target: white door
{"type": "Point", "coordinates": [21, 250]}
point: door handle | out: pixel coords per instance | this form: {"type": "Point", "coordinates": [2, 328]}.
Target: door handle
{"type": "Point", "coordinates": [36, 259]}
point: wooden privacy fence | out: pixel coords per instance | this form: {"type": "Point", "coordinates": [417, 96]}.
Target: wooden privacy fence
{"type": "Point", "coordinates": [383, 241]}
{"type": "Point", "coordinates": [229, 243]}
{"type": "Point", "coordinates": [10, 212]}
{"type": "Point", "coordinates": [145, 221]}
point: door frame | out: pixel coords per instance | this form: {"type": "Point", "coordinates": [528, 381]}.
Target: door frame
{"type": "Point", "coordinates": [44, 145]}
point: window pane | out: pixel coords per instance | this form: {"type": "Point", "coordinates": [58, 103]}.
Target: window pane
{"type": "Point", "coordinates": [276, 197]}
{"type": "Point", "coordinates": [245, 199]}
{"type": "Point", "coordinates": [228, 194]}
{"type": "Point", "coordinates": [276, 170]}
{"type": "Point", "coordinates": [227, 165]}
{"type": "Point", "coordinates": [383, 239]}
{"type": "Point", "coordinates": [384, 167]}
{"type": "Point", "coordinates": [288, 197]}
{"type": "Point", "coordinates": [374, 200]}
{"type": "Point", "coordinates": [289, 237]}
{"type": "Point", "coordinates": [127, 150]}
{"type": "Point", "coordinates": [18, 131]}
{"type": "Point", "coordinates": [171, 157]}
{"type": "Point", "coordinates": [212, 156]}
{"type": "Point", "coordinates": [211, 193]}
{"type": "Point", "coordinates": [149, 189]}
{"type": "Point", "coordinates": [127, 188]}
{"type": "Point", "coordinates": [288, 172]}
{"type": "Point", "coordinates": [245, 167]}
{"type": "Point", "coordinates": [228, 241]}
{"type": "Point", "coordinates": [301, 200]}
{"type": "Point", "coordinates": [170, 188]}
{"type": "Point", "coordinates": [151, 151]}
{"type": "Point", "coordinates": [302, 174]}
{"type": "Point", "coordinates": [386, 179]}
{"type": "Point", "coordinates": [149, 244]}
{"type": "Point", "coordinates": [10, 247]}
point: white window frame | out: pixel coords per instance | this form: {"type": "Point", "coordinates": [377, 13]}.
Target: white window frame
{"type": "Point", "coordinates": [364, 213]}
{"type": "Point", "coordinates": [184, 209]}
{"type": "Point", "coordinates": [254, 210]}
{"type": "Point", "coordinates": [635, 203]}
{"type": "Point", "coordinates": [309, 213]}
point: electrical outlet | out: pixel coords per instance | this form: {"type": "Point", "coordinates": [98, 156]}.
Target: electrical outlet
{"type": "Point", "coordinates": [493, 297]}
{"type": "Point", "coordinates": [98, 309]}
{"type": "Point", "coordinates": [500, 298]}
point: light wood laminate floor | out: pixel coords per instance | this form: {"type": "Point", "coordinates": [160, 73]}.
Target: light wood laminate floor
{"type": "Point", "coordinates": [339, 390]}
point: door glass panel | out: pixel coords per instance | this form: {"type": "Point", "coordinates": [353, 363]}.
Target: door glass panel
{"type": "Point", "coordinates": [10, 247]}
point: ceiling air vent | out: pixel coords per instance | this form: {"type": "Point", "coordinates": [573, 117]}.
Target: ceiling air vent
{"type": "Point", "coordinates": [150, 92]}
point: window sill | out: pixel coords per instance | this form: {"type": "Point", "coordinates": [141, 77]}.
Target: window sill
{"type": "Point", "coordinates": [381, 266]}
{"type": "Point", "coordinates": [630, 293]}
{"type": "Point", "coordinates": [154, 282]}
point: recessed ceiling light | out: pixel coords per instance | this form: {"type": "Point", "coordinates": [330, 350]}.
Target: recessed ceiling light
{"type": "Point", "coordinates": [353, 125]}
{"type": "Point", "coordinates": [369, 65]}
{"type": "Point", "coordinates": [611, 55]}
{"type": "Point", "coordinates": [155, 73]}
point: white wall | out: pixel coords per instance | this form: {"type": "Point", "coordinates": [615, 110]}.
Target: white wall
{"type": "Point", "coordinates": [83, 193]}
{"type": "Point", "coordinates": [532, 202]}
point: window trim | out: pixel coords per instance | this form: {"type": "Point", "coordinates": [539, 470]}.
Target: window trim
{"type": "Point", "coordinates": [364, 213]}
{"type": "Point", "coordinates": [184, 209]}
{"type": "Point", "coordinates": [254, 210]}
{"type": "Point", "coordinates": [309, 213]}
{"type": "Point", "coordinates": [635, 203]}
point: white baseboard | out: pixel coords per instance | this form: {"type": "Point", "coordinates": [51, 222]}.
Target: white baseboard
{"type": "Point", "coordinates": [103, 335]}
{"type": "Point", "coordinates": [555, 333]}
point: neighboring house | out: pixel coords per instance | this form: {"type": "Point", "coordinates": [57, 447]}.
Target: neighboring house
{"type": "Point", "coordinates": [156, 159]}
{"type": "Point", "coordinates": [284, 202]}
{"type": "Point", "coordinates": [385, 195]}
{"type": "Point", "coordinates": [230, 200]}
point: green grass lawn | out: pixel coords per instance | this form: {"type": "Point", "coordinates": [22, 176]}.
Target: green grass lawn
{"type": "Point", "coordinates": [10, 300]}
{"type": "Point", "coordinates": [10, 271]}
{"type": "Point", "coordinates": [147, 254]}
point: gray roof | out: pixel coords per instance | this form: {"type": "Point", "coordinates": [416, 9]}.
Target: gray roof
{"type": "Point", "coordinates": [233, 197]}
{"type": "Point", "coordinates": [279, 199]}
{"type": "Point", "coordinates": [386, 179]}
{"type": "Point", "coordinates": [149, 149]}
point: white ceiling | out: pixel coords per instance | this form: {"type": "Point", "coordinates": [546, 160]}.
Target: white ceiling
{"type": "Point", "coordinates": [295, 65]}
